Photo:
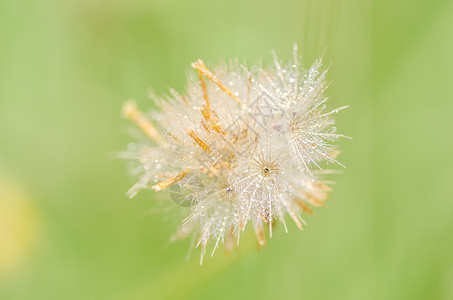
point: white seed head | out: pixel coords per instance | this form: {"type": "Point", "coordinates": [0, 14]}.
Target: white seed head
{"type": "Point", "coordinates": [247, 146]}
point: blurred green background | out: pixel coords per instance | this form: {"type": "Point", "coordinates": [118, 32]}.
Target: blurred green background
{"type": "Point", "coordinates": [67, 231]}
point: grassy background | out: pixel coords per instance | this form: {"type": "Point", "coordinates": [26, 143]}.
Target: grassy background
{"type": "Point", "coordinates": [68, 232]}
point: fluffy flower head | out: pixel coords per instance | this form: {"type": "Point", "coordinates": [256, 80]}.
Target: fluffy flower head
{"type": "Point", "coordinates": [247, 145]}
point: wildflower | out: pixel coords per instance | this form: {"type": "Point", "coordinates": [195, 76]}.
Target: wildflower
{"type": "Point", "coordinates": [248, 146]}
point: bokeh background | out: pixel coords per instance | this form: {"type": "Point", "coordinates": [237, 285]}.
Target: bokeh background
{"type": "Point", "coordinates": [67, 231]}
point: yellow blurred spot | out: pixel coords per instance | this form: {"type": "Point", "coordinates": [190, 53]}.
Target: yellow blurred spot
{"type": "Point", "coordinates": [19, 226]}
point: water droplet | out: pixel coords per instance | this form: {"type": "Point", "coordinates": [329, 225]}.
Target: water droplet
{"type": "Point", "coordinates": [292, 80]}
{"type": "Point", "coordinates": [230, 83]}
